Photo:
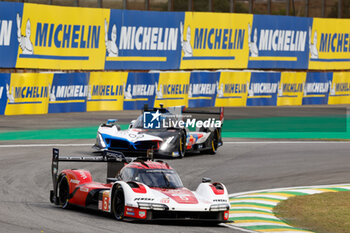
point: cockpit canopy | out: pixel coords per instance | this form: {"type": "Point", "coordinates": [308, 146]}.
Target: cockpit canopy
{"type": "Point", "coordinates": [153, 178]}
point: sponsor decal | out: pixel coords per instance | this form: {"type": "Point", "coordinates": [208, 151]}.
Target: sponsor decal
{"type": "Point", "coordinates": [69, 91]}
{"type": "Point", "coordinates": [140, 40]}
{"type": "Point", "coordinates": [214, 40]}
{"type": "Point", "coordinates": [329, 45]}
{"type": "Point", "coordinates": [278, 42]}
{"type": "Point", "coordinates": [262, 89]}
{"type": "Point", "coordinates": [143, 199]}
{"type": "Point", "coordinates": [164, 200]}
{"type": "Point", "coordinates": [74, 181]}
{"type": "Point", "coordinates": [84, 189]}
{"type": "Point", "coordinates": [317, 87]}
{"type": "Point", "coordinates": [63, 42]}
{"type": "Point", "coordinates": [142, 213]}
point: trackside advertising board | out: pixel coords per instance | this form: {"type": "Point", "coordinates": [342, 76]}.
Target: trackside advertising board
{"type": "Point", "coordinates": [142, 40]}
{"type": "Point", "coordinates": [41, 93]}
{"type": "Point", "coordinates": [278, 42]}
{"type": "Point", "coordinates": [34, 36]}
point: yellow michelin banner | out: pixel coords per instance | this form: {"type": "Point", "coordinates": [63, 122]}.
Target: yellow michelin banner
{"type": "Point", "coordinates": [41, 93]}
{"type": "Point", "coordinates": [28, 93]}
{"type": "Point", "coordinates": [172, 89]}
{"type": "Point", "coordinates": [210, 40]}
{"type": "Point", "coordinates": [61, 37]}
{"type": "Point", "coordinates": [329, 44]}
{"type": "Point", "coordinates": [290, 89]}
{"type": "Point", "coordinates": [340, 89]}
{"type": "Point", "coordinates": [232, 89]}
{"type": "Point", "coordinates": [106, 91]}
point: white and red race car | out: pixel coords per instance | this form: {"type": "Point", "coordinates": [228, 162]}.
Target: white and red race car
{"type": "Point", "coordinates": [141, 190]}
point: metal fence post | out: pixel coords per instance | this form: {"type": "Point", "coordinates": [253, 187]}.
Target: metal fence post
{"type": "Point", "coordinates": [124, 4]}
{"type": "Point", "coordinates": [170, 5]}
{"type": "Point", "coordinates": [190, 5]}
{"type": "Point", "coordinates": [323, 8]}
{"type": "Point", "coordinates": [340, 8]}
{"type": "Point", "coordinates": [287, 7]}
{"type": "Point", "coordinates": [146, 5]}
{"type": "Point", "coordinates": [232, 6]}
{"type": "Point", "coordinates": [210, 8]}
{"type": "Point", "coordinates": [269, 7]}
{"type": "Point", "coordinates": [307, 8]}
{"type": "Point", "coordinates": [250, 6]}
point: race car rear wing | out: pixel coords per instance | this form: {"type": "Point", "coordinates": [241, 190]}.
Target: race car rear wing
{"type": "Point", "coordinates": [199, 112]}
{"type": "Point", "coordinates": [115, 162]}
{"type": "Point", "coordinates": [182, 110]}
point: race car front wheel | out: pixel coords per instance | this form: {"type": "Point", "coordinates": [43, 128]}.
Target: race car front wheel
{"type": "Point", "coordinates": [63, 192]}
{"type": "Point", "coordinates": [182, 146]}
{"type": "Point", "coordinates": [118, 204]}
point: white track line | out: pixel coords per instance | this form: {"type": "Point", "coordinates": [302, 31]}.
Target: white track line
{"type": "Point", "coordinates": [250, 142]}
{"type": "Point", "coordinates": [42, 145]}
{"type": "Point", "coordinates": [285, 142]}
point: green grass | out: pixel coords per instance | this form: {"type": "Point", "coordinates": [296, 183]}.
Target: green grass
{"type": "Point", "coordinates": [323, 127]}
{"type": "Point", "coordinates": [321, 213]}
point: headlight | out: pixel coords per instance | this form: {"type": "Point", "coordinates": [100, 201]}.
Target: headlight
{"type": "Point", "coordinates": [100, 141]}
{"type": "Point", "coordinates": [153, 206]}
{"type": "Point", "coordinates": [219, 207]}
{"type": "Point", "coordinates": [166, 143]}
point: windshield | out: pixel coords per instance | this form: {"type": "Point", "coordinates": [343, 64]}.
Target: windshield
{"type": "Point", "coordinates": [164, 116]}
{"type": "Point", "coordinates": [159, 178]}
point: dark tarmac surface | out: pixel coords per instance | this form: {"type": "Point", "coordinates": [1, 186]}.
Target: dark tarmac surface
{"type": "Point", "coordinates": [243, 165]}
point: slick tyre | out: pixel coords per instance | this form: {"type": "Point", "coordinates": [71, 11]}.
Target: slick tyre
{"type": "Point", "coordinates": [181, 146]}
{"type": "Point", "coordinates": [214, 142]}
{"type": "Point", "coordinates": [63, 192]}
{"type": "Point", "coordinates": [118, 204]}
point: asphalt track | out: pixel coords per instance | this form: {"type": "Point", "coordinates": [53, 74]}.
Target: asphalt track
{"type": "Point", "coordinates": [242, 165]}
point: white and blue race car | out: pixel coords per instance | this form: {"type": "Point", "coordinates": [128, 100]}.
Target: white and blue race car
{"type": "Point", "coordinates": [169, 139]}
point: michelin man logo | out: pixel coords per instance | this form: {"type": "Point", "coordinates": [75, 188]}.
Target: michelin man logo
{"type": "Point", "coordinates": [332, 90]}
{"type": "Point", "coordinates": [127, 92]}
{"type": "Point", "coordinates": [253, 48]}
{"type": "Point", "coordinates": [313, 44]}
{"type": "Point", "coordinates": [220, 90]}
{"type": "Point", "coordinates": [111, 45]}
{"type": "Point", "coordinates": [10, 95]}
{"type": "Point", "coordinates": [250, 90]}
{"type": "Point", "coordinates": [280, 89]}
{"type": "Point", "coordinates": [24, 40]}
{"type": "Point", "coordinates": [52, 96]}
{"type": "Point", "coordinates": [190, 91]}
{"type": "Point", "coordinates": [186, 44]}
{"type": "Point", "coordinates": [159, 92]}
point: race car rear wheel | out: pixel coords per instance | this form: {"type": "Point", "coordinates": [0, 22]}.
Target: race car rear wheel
{"type": "Point", "coordinates": [214, 142]}
{"type": "Point", "coordinates": [118, 204]}
{"type": "Point", "coordinates": [63, 192]}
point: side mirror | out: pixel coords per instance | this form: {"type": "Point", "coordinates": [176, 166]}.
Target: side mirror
{"type": "Point", "coordinates": [132, 124]}
{"type": "Point", "coordinates": [206, 180]}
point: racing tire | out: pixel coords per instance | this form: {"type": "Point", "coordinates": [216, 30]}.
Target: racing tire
{"type": "Point", "coordinates": [63, 192]}
{"type": "Point", "coordinates": [214, 141]}
{"type": "Point", "coordinates": [182, 146]}
{"type": "Point", "coordinates": [118, 204]}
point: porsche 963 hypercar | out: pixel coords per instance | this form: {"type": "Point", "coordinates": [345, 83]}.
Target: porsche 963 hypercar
{"type": "Point", "coordinates": [137, 189]}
